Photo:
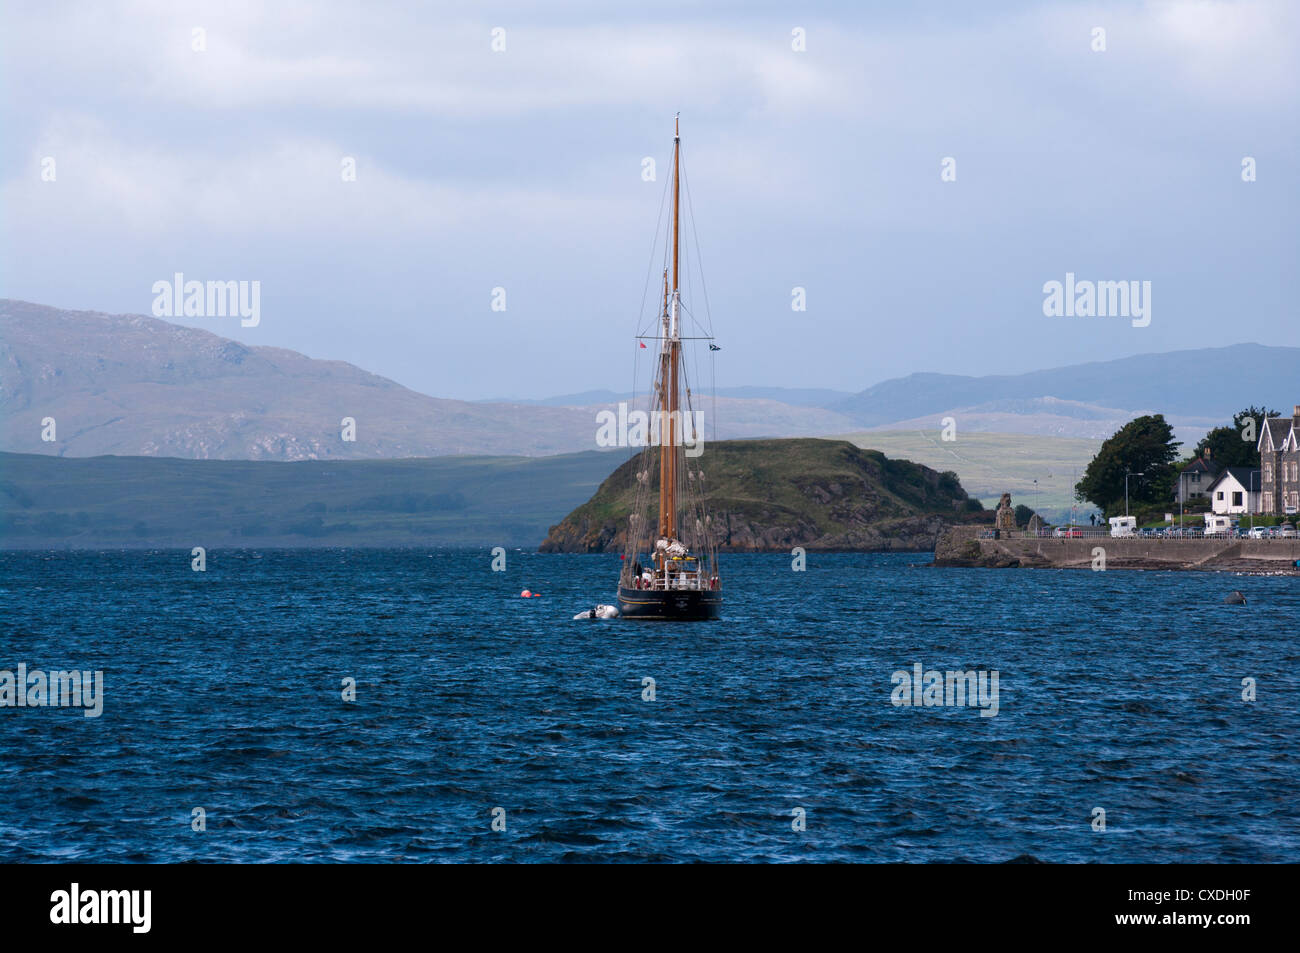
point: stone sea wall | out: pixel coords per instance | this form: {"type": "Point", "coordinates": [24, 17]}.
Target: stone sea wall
{"type": "Point", "coordinates": [965, 546]}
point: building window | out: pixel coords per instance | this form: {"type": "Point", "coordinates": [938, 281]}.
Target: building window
{"type": "Point", "coordinates": [1219, 495]}
{"type": "Point", "coordinates": [1236, 498]}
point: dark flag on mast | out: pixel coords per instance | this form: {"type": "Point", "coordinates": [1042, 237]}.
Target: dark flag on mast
{"type": "Point", "coordinates": [714, 347]}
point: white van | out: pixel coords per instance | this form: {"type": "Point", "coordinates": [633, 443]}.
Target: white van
{"type": "Point", "coordinates": [1123, 525]}
{"type": "Point", "coordinates": [1216, 524]}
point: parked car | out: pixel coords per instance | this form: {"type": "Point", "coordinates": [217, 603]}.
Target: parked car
{"type": "Point", "coordinates": [1258, 532]}
{"type": "Point", "coordinates": [1286, 531]}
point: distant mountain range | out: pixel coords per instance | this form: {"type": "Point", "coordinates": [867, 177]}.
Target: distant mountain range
{"type": "Point", "coordinates": [136, 385]}
{"type": "Point", "coordinates": [794, 396]}
{"type": "Point", "coordinates": [133, 385]}
{"type": "Point", "coordinates": [1208, 383]}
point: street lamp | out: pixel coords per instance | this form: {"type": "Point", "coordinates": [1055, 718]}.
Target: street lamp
{"type": "Point", "coordinates": [1127, 474]}
{"type": "Point", "coordinates": [1182, 498]}
{"type": "Point", "coordinates": [1249, 490]}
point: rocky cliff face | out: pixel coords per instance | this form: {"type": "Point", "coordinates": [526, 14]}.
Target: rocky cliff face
{"type": "Point", "coordinates": [773, 495]}
{"type": "Point", "coordinates": [742, 534]}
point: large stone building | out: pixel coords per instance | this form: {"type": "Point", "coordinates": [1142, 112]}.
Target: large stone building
{"type": "Point", "coordinates": [1279, 464]}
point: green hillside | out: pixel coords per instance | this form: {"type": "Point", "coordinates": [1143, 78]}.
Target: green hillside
{"type": "Point", "coordinates": [95, 502]}
{"type": "Point", "coordinates": [775, 494]}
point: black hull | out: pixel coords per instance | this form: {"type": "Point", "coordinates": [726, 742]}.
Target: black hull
{"type": "Point", "coordinates": [674, 605]}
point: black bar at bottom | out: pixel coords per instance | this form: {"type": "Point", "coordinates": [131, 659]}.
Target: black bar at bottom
{"type": "Point", "coordinates": [944, 902]}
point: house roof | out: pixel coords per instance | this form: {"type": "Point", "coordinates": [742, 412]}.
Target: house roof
{"type": "Point", "coordinates": [1241, 474]}
{"type": "Point", "coordinates": [1275, 431]}
{"type": "Point", "coordinates": [1200, 463]}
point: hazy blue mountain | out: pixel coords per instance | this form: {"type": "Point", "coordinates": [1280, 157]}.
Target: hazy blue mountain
{"type": "Point", "coordinates": [133, 385]}
{"type": "Point", "coordinates": [136, 385]}
{"type": "Point", "coordinates": [793, 396]}
{"type": "Point", "coordinates": [1206, 382]}
{"type": "Point", "coordinates": [564, 400]}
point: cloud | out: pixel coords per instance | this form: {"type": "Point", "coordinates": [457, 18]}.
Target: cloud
{"type": "Point", "coordinates": [344, 56]}
{"type": "Point", "coordinates": [287, 186]}
{"type": "Point", "coordinates": [818, 168]}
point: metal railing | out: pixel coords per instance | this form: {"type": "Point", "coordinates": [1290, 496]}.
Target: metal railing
{"type": "Point", "coordinates": [678, 581]}
{"type": "Point", "coordinates": [1164, 535]}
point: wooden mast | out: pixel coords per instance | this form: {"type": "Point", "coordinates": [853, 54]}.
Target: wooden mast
{"type": "Point", "coordinates": [668, 399]}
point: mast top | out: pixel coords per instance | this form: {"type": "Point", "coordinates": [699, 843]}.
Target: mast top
{"type": "Point", "coordinates": [677, 133]}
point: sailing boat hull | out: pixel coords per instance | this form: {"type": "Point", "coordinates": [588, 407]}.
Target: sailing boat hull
{"type": "Point", "coordinates": [673, 605]}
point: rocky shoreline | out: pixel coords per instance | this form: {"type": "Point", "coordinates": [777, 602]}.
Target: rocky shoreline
{"type": "Point", "coordinates": [973, 547]}
{"type": "Point", "coordinates": [743, 534]}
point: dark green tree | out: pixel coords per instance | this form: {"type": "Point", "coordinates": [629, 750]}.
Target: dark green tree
{"type": "Point", "coordinates": [1237, 446]}
{"type": "Point", "coordinates": [1022, 514]}
{"type": "Point", "coordinates": [1145, 448]}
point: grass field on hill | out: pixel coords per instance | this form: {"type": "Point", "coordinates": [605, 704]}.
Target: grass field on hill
{"type": "Point", "coordinates": [990, 464]}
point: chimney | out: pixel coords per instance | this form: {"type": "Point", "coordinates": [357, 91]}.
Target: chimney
{"type": "Point", "coordinates": [1296, 411]}
{"type": "Point", "coordinates": [1207, 453]}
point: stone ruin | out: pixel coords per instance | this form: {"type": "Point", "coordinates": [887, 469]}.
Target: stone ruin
{"type": "Point", "coordinates": [1005, 519]}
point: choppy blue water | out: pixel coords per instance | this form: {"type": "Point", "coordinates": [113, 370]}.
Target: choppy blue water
{"type": "Point", "coordinates": [1118, 690]}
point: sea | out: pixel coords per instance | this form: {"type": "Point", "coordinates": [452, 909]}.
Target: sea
{"type": "Point", "coordinates": [411, 706]}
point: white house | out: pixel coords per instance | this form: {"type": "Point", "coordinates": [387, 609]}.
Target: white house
{"type": "Point", "coordinates": [1231, 493]}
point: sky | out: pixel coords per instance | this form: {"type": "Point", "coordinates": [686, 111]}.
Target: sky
{"type": "Point", "coordinates": [521, 168]}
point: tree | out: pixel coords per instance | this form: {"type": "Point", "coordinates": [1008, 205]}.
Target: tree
{"type": "Point", "coordinates": [1022, 514]}
{"type": "Point", "coordinates": [1238, 445]}
{"type": "Point", "coordinates": [1144, 448]}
